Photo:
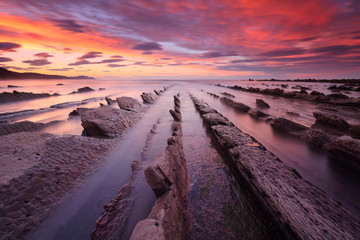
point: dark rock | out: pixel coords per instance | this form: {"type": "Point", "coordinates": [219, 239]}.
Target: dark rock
{"type": "Point", "coordinates": [176, 116]}
{"type": "Point", "coordinates": [315, 93]}
{"type": "Point", "coordinates": [59, 84]}
{"type": "Point", "coordinates": [79, 111]}
{"type": "Point", "coordinates": [203, 107]}
{"type": "Point", "coordinates": [331, 120]}
{"type": "Point", "coordinates": [289, 94]}
{"type": "Point", "coordinates": [237, 105]}
{"type": "Point", "coordinates": [148, 98]}
{"type": "Point", "coordinates": [317, 137]}
{"type": "Point", "coordinates": [55, 94]}
{"type": "Point", "coordinates": [109, 100]}
{"type": "Point", "coordinates": [83, 90]}
{"type": "Point", "coordinates": [273, 92]}
{"type": "Point", "coordinates": [347, 149]}
{"type": "Point", "coordinates": [303, 91]}
{"type": "Point", "coordinates": [228, 94]}
{"type": "Point", "coordinates": [286, 125]}
{"type": "Point", "coordinates": [157, 92]}
{"type": "Point", "coordinates": [13, 86]}
{"type": "Point", "coordinates": [293, 114]}
{"type": "Point", "coordinates": [338, 96]}
{"type": "Point", "coordinates": [354, 131]}
{"type": "Point", "coordinates": [257, 113]}
{"type": "Point", "coordinates": [129, 104]}
{"type": "Point", "coordinates": [284, 85]}
{"type": "Point", "coordinates": [261, 103]}
{"type": "Point", "coordinates": [102, 89]}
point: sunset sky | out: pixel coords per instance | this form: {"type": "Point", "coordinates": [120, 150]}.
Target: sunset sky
{"type": "Point", "coordinates": [171, 39]}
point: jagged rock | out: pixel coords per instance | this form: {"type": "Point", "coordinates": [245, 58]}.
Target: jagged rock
{"type": "Point", "coordinates": [348, 149]}
{"type": "Point", "coordinates": [177, 109]}
{"type": "Point", "coordinates": [107, 122]}
{"type": "Point", "coordinates": [274, 92]}
{"type": "Point", "coordinates": [262, 103]}
{"type": "Point", "coordinates": [157, 92]}
{"type": "Point", "coordinates": [237, 105]}
{"type": "Point", "coordinates": [257, 113]}
{"type": "Point", "coordinates": [176, 116]}
{"type": "Point", "coordinates": [286, 125]}
{"type": "Point", "coordinates": [55, 94]}
{"type": "Point", "coordinates": [12, 86]}
{"type": "Point", "coordinates": [109, 100]}
{"type": "Point", "coordinates": [59, 84]}
{"type": "Point", "coordinates": [102, 89]}
{"type": "Point", "coordinates": [24, 126]}
{"type": "Point", "coordinates": [129, 104]}
{"type": "Point", "coordinates": [331, 120]}
{"type": "Point", "coordinates": [315, 93]}
{"type": "Point", "coordinates": [289, 94]}
{"type": "Point", "coordinates": [203, 108]}
{"type": "Point", "coordinates": [148, 97]}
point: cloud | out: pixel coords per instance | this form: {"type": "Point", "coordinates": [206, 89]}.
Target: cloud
{"type": "Point", "coordinates": [335, 49]}
{"type": "Point", "coordinates": [147, 53]}
{"type": "Point", "coordinates": [5, 59]}
{"type": "Point", "coordinates": [43, 55]}
{"type": "Point", "coordinates": [84, 62]}
{"type": "Point", "coordinates": [116, 65]}
{"type": "Point", "coordinates": [116, 56]}
{"type": "Point", "coordinates": [149, 46]}
{"type": "Point", "coordinates": [37, 62]}
{"type": "Point", "coordinates": [8, 46]}
{"type": "Point", "coordinates": [91, 55]}
{"type": "Point", "coordinates": [283, 52]}
{"type": "Point", "coordinates": [68, 25]}
{"type": "Point", "coordinates": [60, 69]}
{"type": "Point", "coordinates": [218, 54]}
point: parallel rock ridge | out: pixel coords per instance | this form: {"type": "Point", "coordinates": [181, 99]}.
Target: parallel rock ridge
{"type": "Point", "coordinates": [6, 97]}
{"type": "Point", "coordinates": [300, 210]}
{"type": "Point", "coordinates": [168, 177]}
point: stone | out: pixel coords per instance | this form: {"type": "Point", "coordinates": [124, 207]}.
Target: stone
{"type": "Point", "coordinates": [79, 111]}
{"type": "Point", "coordinates": [317, 137]}
{"type": "Point", "coordinates": [109, 100]}
{"type": "Point", "coordinates": [348, 149]}
{"type": "Point", "coordinates": [286, 125]}
{"type": "Point", "coordinates": [331, 120]}
{"type": "Point", "coordinates": [261, 103]}
{"type": "Point", "coordinates": [107, 122]}
{"type": "Point", "coordinates": [228, 94]}
{"type": "Point", "coordinates": [149, 229]}
{"type": "Point", "coordinates": [176, 116]}
{"type": "Point", "coordinates": [148, 98]}
{"type": "Point", "coordinates": [237, 105]}
{"type": "Point", "coordinates": [157, 92]}
{"type": "Point", "coordinates": [257, 113]}
{"type": "Point", "coordinates": [214, 119]}
{"type": "Point", "coordinates": [354, 131]}
{"type": "Point", "coordinates": [24, 126]}
{"type": "Point", "coordinates": [6, 97]}
{"type": "Point", "coordinates": [129, 104]}
{"type": "Point", "coordinates": [338, 96]}
{"type": "Point", "coordinates": [83, 90]}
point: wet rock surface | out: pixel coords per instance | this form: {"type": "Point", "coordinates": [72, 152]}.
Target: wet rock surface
{"type": "Point", "coordinates": [299, 209]}
{"type": "Point", "coordinates": [51, 165]}
{"type": "Point", "coordinates": [83, 90]}
{"type": "Point", "coordinates": [262, 104]}
{"type": "Point", "coordinates": [237, 105]}
{"type": "Point", "coordinates": [331, 120]}
{"type": "Point", "coordinates": [6, 97]}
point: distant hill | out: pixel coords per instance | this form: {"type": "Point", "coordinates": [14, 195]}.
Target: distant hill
{"type": "Point", "coordinates": [8, 75]}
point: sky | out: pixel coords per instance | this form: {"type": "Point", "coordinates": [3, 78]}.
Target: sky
{"type": "Point", "coordinates": [188, 39]}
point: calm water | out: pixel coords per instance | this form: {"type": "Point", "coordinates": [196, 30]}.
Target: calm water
{"type": "Point", "coordinates": [75, 218]}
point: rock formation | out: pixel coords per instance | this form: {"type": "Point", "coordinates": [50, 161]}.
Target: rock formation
{"type": "Point", "coordinates": [129, 104]}
{"type": "Point", "coordinates": [6, 97]}
{"type": "Point", "coordinates": [24, 126]}
{"type": "Point", "coordinates": [261, 103]}
{"type": "Point", "coordinates": [148, 98]}
{"type": "Point", "coordinates": [299, 210]}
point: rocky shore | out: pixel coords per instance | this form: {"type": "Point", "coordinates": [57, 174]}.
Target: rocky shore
{"type": "Point", "coordinates": [39, 169]}
{"type": "Point", "coordinates": [300, 210]}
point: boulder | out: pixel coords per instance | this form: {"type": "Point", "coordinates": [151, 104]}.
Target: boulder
{"type": "Point", "coordinates": [148, 97]}
{"type": "Point", "coordinates": [317, 137]}
{"type": "Point", "coordinates": [129, 104]}
{"type": "Point", "coordinates": [354, 131]}
{"type": "Point", "coordinates": [331, 120]}
{"type": "Point", "coordinates": [273, 92]}
{"type": "Point", "coordinates": [79, 111]}
{"type": "Point", "coordinates": [214, 119]}
{"type": "Point", "coordinates": [315, 93]}
{"type": "Point", "coordinates": [83, 90]}
{"type": "Point", "coordinates": [286, 125]}
{"type": "Point", "coordinates": [6, 97]}
{"type": "Point", "coordinates": [338, 96]}
{"type": "Point", "coordinates": [157, 92]}
{"type": "Point", "coordinates": [261, 103]}
{"type": "Point", "coordinates": [107, 122]}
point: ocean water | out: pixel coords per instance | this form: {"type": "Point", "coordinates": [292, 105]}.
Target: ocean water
{"type": "Point", "coordinates": [315, 165]}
